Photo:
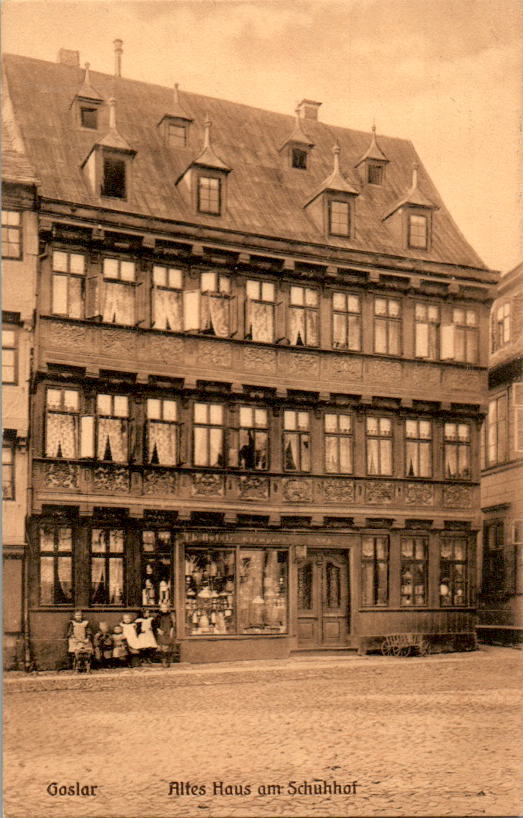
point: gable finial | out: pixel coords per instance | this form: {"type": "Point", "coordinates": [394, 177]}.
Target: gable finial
{"type": "Point", "coordinates": [87, 78]}
{"type": "Point", "coordinates": [207, 132]}
{"type": "Point", "coordinates": [415, 167]}
{"type": "Point", "coordinates": [176, 95]}
{"type": "Point", "coordinates": [112, 114]}
{"type": "Point", "coordinates": [336, 151]}
{"type": "Point", "coordinates": [373, 126]}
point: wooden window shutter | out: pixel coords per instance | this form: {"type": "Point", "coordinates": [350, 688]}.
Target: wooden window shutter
{"type": "Point", "coordinates": [447, 342]}
{"type": "Point", "coordinates": [87, 436]}
{"type": "Point", "coordinates": [142, 298]}
{"type": "Point", "coordinates": [422, 340]}
{"type": "Point", "coordinates": [93, 299]}
{"type": "Point", "coordinates": [233, 315]}
{"type": "Point", "coordinates": [191, 310]}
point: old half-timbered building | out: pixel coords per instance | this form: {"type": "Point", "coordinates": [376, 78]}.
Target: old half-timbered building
{"type": "Point", "coordinates": [259, 366]}
{"type": "Point", "coordinates": [501, 599]}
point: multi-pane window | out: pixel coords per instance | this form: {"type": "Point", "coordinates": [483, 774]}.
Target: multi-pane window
{"type": "Point", "coordinates": [62, 423]}
{"type": "Point", "coordinates": [387, 326]}
{"type": "Point", "coordinates": [493, 574]}
{"type": "Point", "coordinates": [453, 572]}
{"type": "Point", "coordinates": [11, 234]}
{"type": "Point", "coordinates": [418, 446]}
{"type": "Point", "coordinates": [375, 570]}
{"type": "Point", "coordinates": [112, 428]}
{"type": "Point", "coordinates": [414, 576]}
{"type": "Point", "coordinates": [418, 231]}
{"type": "Point", "coordinates": [339, 218]}
{"type": "Point", "coordinates": [497, 431]}
{"type": "Point", "coordinates": [338, 443]}
{"type": "Point", "coordinates": [9, 355]}
{"type": "Point", "coordinates": [119, 291]}
{"type": "Point", "coordinates": [259, 311]}
{"type": "Point", "coordinates": [501, 326]}
{"type": "Point", "coordinates": [162, 432]}
{"type": "Point", "coordinates": [107, 566]}
{"type": "Point", "coordinates": [379, 445]}
{"type": "Point", "coordinates": [68, 295]}
{"type": "Point", "coordinates": [346, 321]}
{"type": "Point", "coordinates": [114, 182]}
{"type": "Point", "coordinates": [375, 174]}
{"type": "Point", "coordinates": [460, 340]}
{"type": "Point", "coordinates": [303, 317]}
{"type": "Point", "coordinates": [249, 444]}
{"type": "Point", "coordinates": [8, 471]}
{"type": "Point", "coordinates": [296, 441]}
{"type": "Point", "coordinates": [427, 320]}
{"type": "Point", "coordinates": [299, 159]}
{"type": "Point", "coordinates": [56, 565]}
{"type": "Point", "coordinates": [176, 135]}
{"type": "Point", "coordinates": [167, 298]}
{"type": "Point", "coordinates": [208, 434]}
{"type": "Point", "coordinates": [457, 450]}
{"type": "Point", "coordinates": [157, 551]}
{"type": "Point", "coordinates": [215, 291]}
{"type": "Point", "coordinates": [209, 195]}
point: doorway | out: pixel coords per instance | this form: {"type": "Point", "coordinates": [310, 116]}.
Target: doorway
{"type": "Point", "coordinates": [323, 599]}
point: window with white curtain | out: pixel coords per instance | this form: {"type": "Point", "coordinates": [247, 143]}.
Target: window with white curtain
{"type": "Point", "coordinates": [303, 317]}
{"type": "Point", "coordinates": [418, 444]}
{"type": "Point", "coordinates": [162, 432]}
{"type": "Point", "coordinates": [208, 434]}
{"type": "Point", "coordinates": [119, 291]}
{"type": "Point", "coordinates": [296, 441]}
{"type": "Point", "coordinates": [338, 443]}
{"type": "Point", "coordinates": [56, 565]}
{"type": "Point", "coordinates": [62, 423]}
{"type": "Point", "coordinates": [167, 298]}
{"type": "Point", "coordinates": [346, 321]}
{"type": "Point", "coordinates": [112, 428]}
{"type": "Point", "coordinates": [387, 326]}
{"type": "Point", "coordinates": [248, 445]}
{"type": "Point", "coordinates": [68, 294]}
{"type": "Point", "coordinates": [259, 311]}
{"type": "Point", "coordinates": [457, 450]}
{"type": "Point", "coordinates": [107, 566]}
{"type": "Point", "coordinates": [427, 322]}
{"type": "Point", "coordinates": [379, 445]}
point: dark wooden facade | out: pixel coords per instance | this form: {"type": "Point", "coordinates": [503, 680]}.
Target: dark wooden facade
{"type": "Point", "coordinates": [295, 464]}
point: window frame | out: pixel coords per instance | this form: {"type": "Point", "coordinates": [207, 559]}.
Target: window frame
{"type": "Point", "coordinates": [122, 162]}
{"type": "Point", "coordinates": [468, 332]}
{"type": "Point", "coordinates": [157, 555]}
{"type": "Point", "coordinates": [392, 323]}
{"type": "Point", "coordinates": [347, 315]}
{"type": "Point", "coordinates": [333, 231]}
{"type": "Point", "coordinates": [8, 327]}
{"type": "Point", "coordinates": [255, 430]}
{"type": "Point", "coordinates": [419, 441]}
{"type": "Point", "coordinates": [18, 228]}
{"type": "Point", "coordinates": [306, 308]}
{"type": "Point", "coordinates": [219, 198]}
{"type": "Point", "coordinates": [302, 435]}
{"type": "Point", "coordinates": [123, 418]}
{"type": "Point", "coordinates": [454, 541]}
{"type": "Point", "coordinates": [433, 330]}
{"type": "Point", "coordinates": [118, 280]}
{"type": "Point", "coordinates": [108, 556]}
{"type": "Point", "coordinates": [166, 287]}
{"type": "Point", "coordinates": [89, 108]}
{"type": "Point", "coordinates": [208, 426]}
{"type": "Point", "coordinates": [460, 445]}
{"type": "Point", "coordinates": [382, 438]}
{"type": "Point", "coordinates": [299, 158]}
{"type": "Point", "coordinates": [175, 142]}
{"type": "Point", "coordinates": [375, 561]}
{"type": "Point", "coordinates": [260, 282]}
{"type": "Point", "coordinates": [56, 553]}
{"type": "Point", "coordinates": [425, 219]}
{"type": "Point", "coordinates": [175, 430]}
{"type": "Point", "coordinates": [496, 431]}
{"type": "Point", "coordinates": [63, 410]}
{"type": "Point", "coordinates": [9, 446]}
{"type": "Point", "coordinates": [68, 274]}
{"type": "Point", "coordinates": [412, 563]}
{"type": "Point", "coordinates": [501, 327]}
{"type": "Point", "coordinates": [375, 167]}
{"type": "Point", "coordinates": [338, 435]}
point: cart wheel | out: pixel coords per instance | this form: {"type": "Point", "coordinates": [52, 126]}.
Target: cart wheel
{"type": "Point", "coordinates": [397, 650]}
{"type": "Point", "coordinates": [386, 648]}
{"type": "Point", "coordinates": [424, 648]}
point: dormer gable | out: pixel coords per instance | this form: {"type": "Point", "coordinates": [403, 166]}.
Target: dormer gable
{"type": "Point", "coordinates": [206, 177]}
{"type": "Point", "coordinates": [297, 146]}
{"type": "Point", "coordinates": [410, 217]}
{"type": "Point", "coordinates": [87, 104]}
{"type": "Point", "coordinates": [331, 206]}
{"type": "Point", "coordinates": [108, 163]}
{"type": "Point", "coordinates": [373, 162]}
{"type": "Point", "coordinates": [175, 123]}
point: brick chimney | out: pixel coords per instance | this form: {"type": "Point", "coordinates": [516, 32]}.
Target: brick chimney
{"type": "Point", "coordinates": [118, 51]}
{"type": "Point", "coordinates": [68, 57]}
{"type": "Point", "coordinates": [308, 109]}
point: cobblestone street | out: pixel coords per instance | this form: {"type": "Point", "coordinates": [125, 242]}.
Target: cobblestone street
{"type": "Point", "coordinates": [422, 736]}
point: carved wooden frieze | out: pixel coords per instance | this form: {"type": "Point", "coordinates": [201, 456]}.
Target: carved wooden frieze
{"type": "Point", "coordinates": [111, 478]}
{"type": "Point", "coordinates": [378, 370]}
{"type": "Point", "coordinates": [204, 484]}
{"type": "Point", "coordinates": [379, 491]}
{"type": "Point", "coordinates": [72, 337]}
{"type": "Point", "coordinates": [119, 343]}
{"type": "Point", "coordinates": [214, 354]}
{"type": "Point", "coordinates": [462, 379]}
{"type": "Point", "coordinates": [61, 475]}
{"type": "Point", "coordinates": [164, 349]}
{"type": "Point", "coordinates": [344, 366]}
{"type": "Point", "coordinates": [423, 375]}
{"type": "Point", "coordinates": [263, 360]}
{"type": "Point", "coordinates": [457, 496]}
{"type": "Point", "coordinates": [338, 491]}
{"type": "Point", "coordinates": [297, 490]}
{"type": "Point", "coordinates": [419, 494]}
{"type": "Point", "coordinates": [254, 487]}
{"type": "Point", "coordinates": [296, 363]}
{"type": "Point", "coordinates": [159, 482]}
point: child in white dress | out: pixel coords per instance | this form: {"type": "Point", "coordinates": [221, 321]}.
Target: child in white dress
{"type": "Point", "coordinates": [146, 641]}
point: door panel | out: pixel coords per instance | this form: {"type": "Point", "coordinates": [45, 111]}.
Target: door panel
{"type": "Point", "coordinates": [323, 599]}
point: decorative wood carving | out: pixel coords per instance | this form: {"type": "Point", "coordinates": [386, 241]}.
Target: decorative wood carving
{"type": "Point", "coordinates": [72, 337]}
{"type": "Point", "coordinates": [117, 342]}
{"type": "Point", "coordinates": [297, 490]}
{"type": "Point", "coordinates": [254, 487]}
{"type": "Point", "coordinates": [214, 354]}
{"type": "Point", "coordinates": [419, 494]}
{"type": "Point", "coordinates": [159, 482]}
{"type": "Point", "coordinates": [165, 349]}
{"type": "Point", "coordinates": [457, 496]}
{"type": "Point", "coordinates": [301, 364]}
{"type": "Point", "coordinates": [338, 491]}
{"type": "Point", "coordinates": [61, 475]}
{"type": "Point", "coordinates": [383, 370]}
{"type": "Point", "coordinates": [204, 484]}
{"type": "Point", "coordinates": [111, 478]}
{"type": "Point", "coordinates": [344, 366]}
{"type": "Point", "coordinates": [423, 375]}
{"type": "Point", "coordinates": [379, 491]}
{"type": "Point", "coordinates": [263, 360]}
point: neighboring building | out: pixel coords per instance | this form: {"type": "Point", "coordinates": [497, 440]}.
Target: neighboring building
{"type": "Point", "coordinates": [501, 599]}
{"type": "Point", "coordinates": [258, 381]}
{"type": "Point", "coordinates": [19, 266]}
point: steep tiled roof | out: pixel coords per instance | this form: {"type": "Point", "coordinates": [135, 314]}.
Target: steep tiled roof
{"type": "Point", "coordinates": [15, 164]}
{"type": "Point", "coordinates": [265, 196]}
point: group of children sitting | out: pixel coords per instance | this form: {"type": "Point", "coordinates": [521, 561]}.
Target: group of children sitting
{"type": "Point", "coordinates": [130, 643]}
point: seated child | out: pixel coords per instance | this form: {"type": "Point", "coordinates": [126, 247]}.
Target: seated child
{"type": "Point", "coordinates": [119, 646]}
{"type": "Point", "coordinates": [79, 644]}
{"type": "Point", "coordinates": [131, 638]}
{"type": "Point", "coordinates": [103, 645]}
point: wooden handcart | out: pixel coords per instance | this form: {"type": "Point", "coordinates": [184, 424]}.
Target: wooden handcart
{"type": "Point", "coordinates": [405, 644]}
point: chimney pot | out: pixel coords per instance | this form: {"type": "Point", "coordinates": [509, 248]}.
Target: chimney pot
{"type": "Point", "coordinates": [118, 51]}
{"type": "Point", "coordinates": [68, 57]}
{"type": "Point", "coordinates": [308, 109]}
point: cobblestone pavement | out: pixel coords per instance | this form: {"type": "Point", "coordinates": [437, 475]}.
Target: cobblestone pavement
{"type": "Point", "coordinates": [421, 737]}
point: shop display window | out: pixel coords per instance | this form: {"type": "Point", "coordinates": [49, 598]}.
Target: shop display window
{"type": "Point", "coordinates": [210, 592]}
{"type": "Point", "coordinates": [156, 584]}
{"type": "Point", "coordinates": [107, 566]}
{"type": "Point", "coordinates": [262, 604]}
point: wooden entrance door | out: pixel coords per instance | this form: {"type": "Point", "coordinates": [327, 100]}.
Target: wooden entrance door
{"type": "Point", "coordinates": [323, 599]}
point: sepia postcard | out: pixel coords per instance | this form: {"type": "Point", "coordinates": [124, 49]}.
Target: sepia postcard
{"type": "Point", "coordinates": [262, 460]}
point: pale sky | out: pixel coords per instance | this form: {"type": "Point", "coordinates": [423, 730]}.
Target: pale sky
{"type": "Point", "coordinates": [447, 74]}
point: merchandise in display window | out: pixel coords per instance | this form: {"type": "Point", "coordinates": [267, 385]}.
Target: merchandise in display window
{"type": "Point", "coordinates": [262, 604]}
{"type": "Point", "coordinates": [156, 586]}
{"type": "Point", "coordinates": [210, 592]}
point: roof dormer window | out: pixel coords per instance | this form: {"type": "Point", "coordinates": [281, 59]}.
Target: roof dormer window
{"type": "Point", "coordinates": [299, 159]}
{"type": "Point", "coordinates": [175, 123]}
{"type": "Point", "coordinates": [418, 231]}
{"type": "Point", "coordinates": [87, 103]}
{"type": "Point", "coordinates": [209, 195]}
{"type": "Point", "coordinates": [373, 162]}
{"type": "Point", "coordinates": [176, 135]}
{"type": "Point", "coordinates": [114, 178]}
{"type": "Point", "coordinates": [206, 178]}
{"type": "Point", "coordinates": [339, 218]}
{"type": "Point", "coordinates": [375, 173]}
{"type": "Point", "coordinates": [297, 146]}
{"type": "Point", "coordinates": [107, 166]}
{"type": "Point", "coordinates": [410, 219]}
{"type": "Point", "coordinates": [331, 206]}
{"type": "Point", "coordinates": [89, 117]}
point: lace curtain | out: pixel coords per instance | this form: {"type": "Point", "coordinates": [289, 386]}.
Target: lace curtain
{"type": "Point", "coordinates": [303, 327]}
{"type": "Point", "coordinates": [168, 310]}
{"type": "Point", "coordinates": [112, 440]}
{"type": "Point", "coordinates": [118, 303]}
{"type": "Point", "coordinates": [215, 315]}
{"type": "Point", "coordinates": [161, 447]}
{"type": "Point", "coordinates": [61, 435]}
{"type": "Point", "coordinates": [260, 321]}
{"type": "Point", "coordinates": [55, 580]}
